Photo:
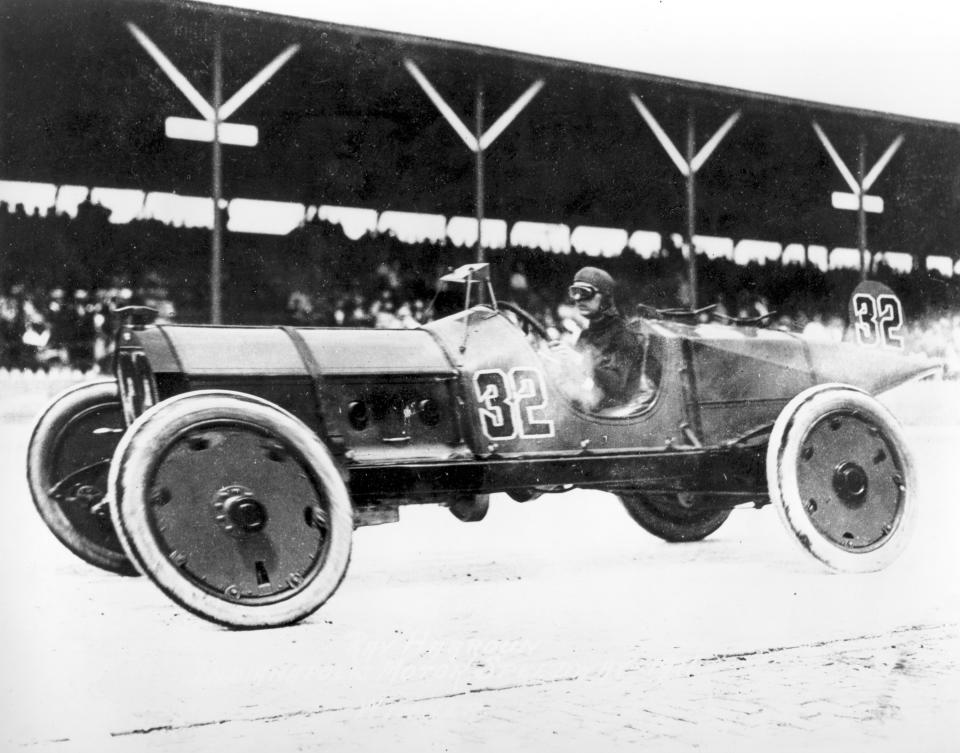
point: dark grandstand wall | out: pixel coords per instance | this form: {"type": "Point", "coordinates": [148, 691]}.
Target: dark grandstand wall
{"type": "Point", "coordinates": [344, 123]}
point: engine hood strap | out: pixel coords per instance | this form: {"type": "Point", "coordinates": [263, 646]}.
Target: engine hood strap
{"type": "Point", "coordinates": [335, 444]}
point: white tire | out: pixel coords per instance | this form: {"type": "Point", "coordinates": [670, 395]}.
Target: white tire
{"type": "Point", "coordinates": [233, 507]}
{"type": "Point", "coordinates": [70, 446]}
{"type": "Point", "coordinates": [842, 478]}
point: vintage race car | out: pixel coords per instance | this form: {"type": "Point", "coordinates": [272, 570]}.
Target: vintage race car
{"type": "Point", "coordinates": [231, 465]}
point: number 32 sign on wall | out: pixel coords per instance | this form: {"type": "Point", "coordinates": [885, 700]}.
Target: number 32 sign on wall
{"type": "Point", "coordinates": [876, 315]}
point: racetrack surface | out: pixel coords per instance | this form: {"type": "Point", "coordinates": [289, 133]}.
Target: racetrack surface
{"type": "Point", "coordinates": [553, 625]}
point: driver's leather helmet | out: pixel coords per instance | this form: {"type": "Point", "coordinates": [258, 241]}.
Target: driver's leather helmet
{"type": "Point", "coordinates": [601, 281]}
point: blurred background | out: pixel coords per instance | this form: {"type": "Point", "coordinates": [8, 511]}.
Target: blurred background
{"type": "Point", "coordinates": [351, 167]}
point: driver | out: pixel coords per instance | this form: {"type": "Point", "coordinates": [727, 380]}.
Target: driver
{"type": "Point", "coordinates": [610, 349]}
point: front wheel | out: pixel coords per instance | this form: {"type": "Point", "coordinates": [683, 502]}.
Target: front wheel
{"type": "Point", "coordinates": [842, 478]}
{"type": "Point", "coordinates": [233, 507]}
{"type": "Point", "coordinates": [673, 517]}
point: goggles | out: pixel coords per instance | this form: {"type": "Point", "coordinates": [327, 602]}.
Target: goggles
{"type": "Point", "coordinates": [582, 292]}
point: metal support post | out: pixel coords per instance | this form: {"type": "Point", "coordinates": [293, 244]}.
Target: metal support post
{"type": "Point", "coordinates": [861, 212]}
{"type": "Point", "coordinates": [479, 163]}
{"type": "Point", "coordinates": [691, 208]}
{"type": "Point", "coordinates": [216, 244]}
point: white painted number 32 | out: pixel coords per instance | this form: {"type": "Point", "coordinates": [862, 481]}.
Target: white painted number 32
{"type": "Point", "coordinates": [877, 319]}
{"type": "Point", "coordinates": [512, 404]}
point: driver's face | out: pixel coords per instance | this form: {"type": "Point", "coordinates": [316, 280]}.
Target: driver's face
{"type": "Point", "coordinates": [590, 307]}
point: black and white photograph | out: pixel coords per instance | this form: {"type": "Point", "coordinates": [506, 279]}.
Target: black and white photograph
{"type": "Point", "coordinates": [480, 376]}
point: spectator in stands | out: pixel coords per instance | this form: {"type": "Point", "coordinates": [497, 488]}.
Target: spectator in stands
{"type": "Point", "coordinates": [84, 332]}
{"type": "Point", "coordinates": [419, 311]}
{"type": "Point", "coordinates": [58, 315]}
{"type": "Point", "coordinates": [519, 287]}
{"type": "Point", "coordinates": [35, 337]}
{"type": "Point", "coordinates": [15, 325]}
{"type": "Point", "coordinates": [300, 309]}
{"type": "Point", "coordinates": [8, 318]}
{"type": "Point", "coordinates": [359, 315]}
{"type": "Point", "coordinates": [405, 317]}
{"type": "Point", "coordinates": [388, 274]}
{"type": "Point", "coordinates": [383, 312]}
{"type": "Point", "coordinates": [340, 312]}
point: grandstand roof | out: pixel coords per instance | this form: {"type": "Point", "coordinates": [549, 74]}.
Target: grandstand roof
{"type": "Point", "coordinates": [344, 123]}
{"type": "Point", "coordinates": [883, 57]}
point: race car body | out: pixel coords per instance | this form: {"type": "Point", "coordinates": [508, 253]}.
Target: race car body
{"type": "Point", "coordinates": [251, 453]}
{"type": "Point", "coordinates": [405, 408]}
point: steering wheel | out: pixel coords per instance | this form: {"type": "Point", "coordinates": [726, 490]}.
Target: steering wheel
{"type": "Point", "coordinates": [525, 320]}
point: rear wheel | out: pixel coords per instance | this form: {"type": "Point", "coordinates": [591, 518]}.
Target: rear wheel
{"type": "Point", "coordinates": [233, 507]}
{"type": "Point", "coordinates": [68, 459]}
{"type": "Point", "coordinates": [470, 508]}
{"type": "Point", "coordinates": [672, 517]}
{"type": "Point", "coordinates": [842, 478]}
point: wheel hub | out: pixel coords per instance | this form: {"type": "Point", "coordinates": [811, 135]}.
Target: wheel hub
{"type": "Point", "coordinates": [850, 482]}
{"type": "Point", "coordinates": [239, 512]}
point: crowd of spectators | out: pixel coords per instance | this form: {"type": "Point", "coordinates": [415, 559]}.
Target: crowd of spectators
{"type": "Point", "coordinates": [61, 279]}
{"type": "Point", "coordinates": [73, 328]}
{"type": "Point", "coordinates": [56, 328]}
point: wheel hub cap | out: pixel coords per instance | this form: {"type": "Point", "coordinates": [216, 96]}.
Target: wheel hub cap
{"type": "Point", "coordinates": [248, 515]}
{"type": "Point", "coordinates": [238, 513]}
{"type": "Point", "coordinates": [850, 482]}
{"type": "Point", "coordinates": [850, 479]}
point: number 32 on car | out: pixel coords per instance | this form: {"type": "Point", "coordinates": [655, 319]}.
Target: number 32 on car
{"type": "Point", "coordinates": [876, 315]}
{"type": "Point", "coordinates": [512, 404]}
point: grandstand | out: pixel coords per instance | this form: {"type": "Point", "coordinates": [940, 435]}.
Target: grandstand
{"type": "Point", "coordinates": [318, 276]}
{"type": "Point", "coordinates": [344, 126]}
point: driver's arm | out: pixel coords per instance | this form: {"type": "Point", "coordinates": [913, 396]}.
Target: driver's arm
{"type": "Point", "coordinates": [610, 373]}
{"type": "Point", "coordinates": [612, 369]}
